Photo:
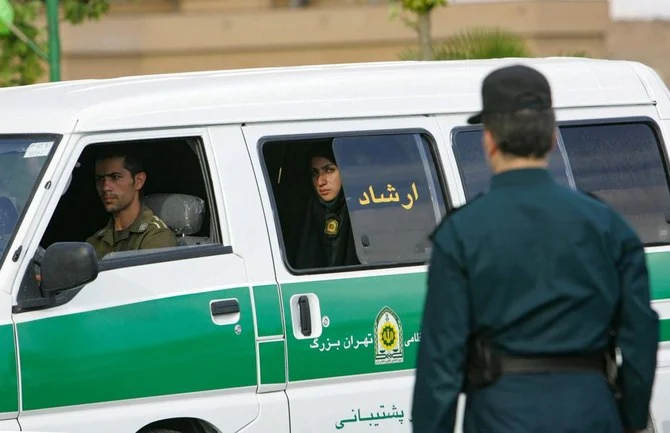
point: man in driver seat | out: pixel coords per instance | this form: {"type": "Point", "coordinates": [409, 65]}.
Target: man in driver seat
{"type": "Point", "coordinates": [119, 178]}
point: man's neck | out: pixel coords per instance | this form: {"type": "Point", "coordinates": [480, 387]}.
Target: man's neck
{"type": "Point", "coordinates": [507, 164]}
{"type": "Point", "coordinates": [126, 217]}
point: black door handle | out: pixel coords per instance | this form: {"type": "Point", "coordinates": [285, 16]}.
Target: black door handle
{"type": "Point", "coordinates": [228, 306]}
{"type": "Point", "coordinates": [305, 316]}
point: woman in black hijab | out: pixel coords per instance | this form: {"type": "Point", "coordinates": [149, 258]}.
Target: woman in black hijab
{"type": "Point", "coordinates": [327, 239]}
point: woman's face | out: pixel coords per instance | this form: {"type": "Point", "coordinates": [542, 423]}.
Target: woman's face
{"type": "Point", "coordinates": [325, 178]}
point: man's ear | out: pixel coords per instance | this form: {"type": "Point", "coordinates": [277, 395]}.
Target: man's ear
{"type": "Point", "coordinates": [554, 140]}
{"type": "Point", "coordinates": [490, 146]}
{"type": "Point", "coordinates": [140, 178]}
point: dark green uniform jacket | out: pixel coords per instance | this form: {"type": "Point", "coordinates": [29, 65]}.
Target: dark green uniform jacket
{"type": "Point", "coordinates": [541, 270]}
{"type": "Point", "coordinates": [147, 231]}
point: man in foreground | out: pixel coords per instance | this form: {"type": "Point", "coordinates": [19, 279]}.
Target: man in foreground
{"type": "Point", "coordinates": [526, 285]}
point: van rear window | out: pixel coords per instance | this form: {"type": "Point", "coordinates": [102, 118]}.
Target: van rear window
{"type": "Point", "coordinates": [620, 162]}
{"type": "Point", "coordinates": [475, 172]}
{"type": "Point", "coordinates": [623, 165]}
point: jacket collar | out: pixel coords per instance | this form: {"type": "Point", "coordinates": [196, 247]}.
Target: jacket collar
{"type": "Point", "coordinates": [138, 226]}
{"type": "Point", "coordinates": [522, 177]}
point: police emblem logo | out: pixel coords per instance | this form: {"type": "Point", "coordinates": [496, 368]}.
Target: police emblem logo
{"type": "Point", "coordinates": [388, 338]}
{"type": "Point", "coordinates": [332, 227]}
{"type": "Point", "coordinates": [143, 227]}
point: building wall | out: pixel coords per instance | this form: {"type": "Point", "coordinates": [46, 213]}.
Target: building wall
{"type": "Point", "coordinates": [157, 36]}
{"type": "Point", "coordinates": [644, 41]}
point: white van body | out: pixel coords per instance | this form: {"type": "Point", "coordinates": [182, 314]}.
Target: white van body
{"type": "Point", "coordinates": [208, 336]}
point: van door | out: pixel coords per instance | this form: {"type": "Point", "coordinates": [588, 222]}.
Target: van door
{"type": "Point", "coordinates": [352, 332]}
{"type": "Point", "coordinates": [160, 335]}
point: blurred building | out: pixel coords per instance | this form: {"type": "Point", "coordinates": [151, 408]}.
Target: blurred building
{"type": "Point", "coordinates": [155, 36]}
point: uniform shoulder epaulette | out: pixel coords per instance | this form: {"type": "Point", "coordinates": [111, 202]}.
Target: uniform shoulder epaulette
{"type": "Point", "coordinates": [451, 212]}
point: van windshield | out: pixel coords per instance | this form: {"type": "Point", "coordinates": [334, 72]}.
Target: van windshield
{"type": "Point", "coordinates": [21, 162]}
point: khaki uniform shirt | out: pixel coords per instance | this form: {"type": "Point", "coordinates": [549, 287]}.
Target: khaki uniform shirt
{"type": "Point", "coordinates": [147, 231]}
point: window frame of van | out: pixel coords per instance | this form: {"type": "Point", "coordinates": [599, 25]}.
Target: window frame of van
{"type": "Point", "coordinates": [600, 121]}
{"type": "Point", "coordinates": [273, 139]}
{"type": "Point", "coordinates": [162, 255]}
{"type": "Point", "coordinates": [56, 138]}
{"type": "Point", "coordinates": [203, 149]}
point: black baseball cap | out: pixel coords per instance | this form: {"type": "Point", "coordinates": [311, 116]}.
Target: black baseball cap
{"type": "Point", "coordinates": [513, 88]}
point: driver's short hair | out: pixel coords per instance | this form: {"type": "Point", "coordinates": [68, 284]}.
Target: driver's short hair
{"type": "Point", "coordinates": [131, 161]}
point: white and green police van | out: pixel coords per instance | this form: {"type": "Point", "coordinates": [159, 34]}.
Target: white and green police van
{"type": "Point", "coordinates": [222, 333]}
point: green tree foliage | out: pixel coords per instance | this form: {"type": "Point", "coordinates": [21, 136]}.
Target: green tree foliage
{"type": "Point", "coordinates": [19, 63]}
{"type": "Point", "coordinates": [422, 9]}
{"type": "Point", "coordinates": [482, 43]}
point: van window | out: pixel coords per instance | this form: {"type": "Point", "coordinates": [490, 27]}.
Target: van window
{"type": "Point", "coordinates": [177, 190]}
{"type": "Point", "coordinates": [391, 187]}
{"type": "Point", "coordinates": [22, 160]}
{"type": "Point", "coordinates": [394, 195]}
{"type": "Point", "coordinates": [622, 164]}
{"type": "Point", "coordinates": [475, 172]}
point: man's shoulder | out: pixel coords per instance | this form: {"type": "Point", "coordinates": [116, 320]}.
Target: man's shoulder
{"type": "Point", "coordinates": [98, 235]}
{"type": "Point", "coordinates": [148, 222]}
{"type": "Point", "coordinates": [589, 197]}
{"type": "Point", "coordinates": [592, 201]}
{"type": "Point", "coordinates": [606, 214]}
{"type": "Point", "coordinates": [460, 212]}
{"type": "Point", "coordinates": [151, 232]}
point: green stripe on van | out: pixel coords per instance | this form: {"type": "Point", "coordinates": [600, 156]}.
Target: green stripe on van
{"type": "Point", "coordinates": [159, 347]}
{"type": "Point", "coordinates": [664, 330]}
{"type": "Point", "coordinates": [9, 398]}
{"type": "Point", "coordinates": [346, 345]}
{"type": "Point", "coordinates": [268, 310]}
{"type": "Point", "coordinates": [273, 366]}
{"type": "Point", "coordinates": [659, 274]}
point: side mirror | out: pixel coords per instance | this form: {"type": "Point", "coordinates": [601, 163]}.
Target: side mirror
{"type": "Point", "coordinates": [68, 265]}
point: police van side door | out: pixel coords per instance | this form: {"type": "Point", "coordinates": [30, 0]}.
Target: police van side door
{"type": "Point", "coordinates": [352, 334]}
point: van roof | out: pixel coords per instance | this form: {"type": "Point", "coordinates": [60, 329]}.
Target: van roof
{"type": "Point", "coordinates": [299, 93]}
